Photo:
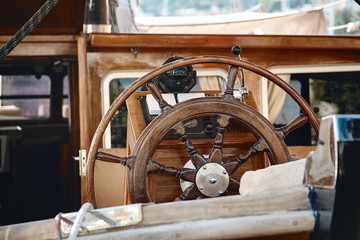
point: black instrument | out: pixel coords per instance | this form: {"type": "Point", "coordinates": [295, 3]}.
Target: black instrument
{"type": "Point", "coordinates": [180, 80]}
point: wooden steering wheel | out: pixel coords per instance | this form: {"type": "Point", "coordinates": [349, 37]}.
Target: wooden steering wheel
{"type": "Point", "coordinates": [210, 176]}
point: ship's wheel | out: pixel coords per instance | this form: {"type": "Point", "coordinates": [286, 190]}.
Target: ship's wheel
{"type": "Point", "coordinates": [209, 175]}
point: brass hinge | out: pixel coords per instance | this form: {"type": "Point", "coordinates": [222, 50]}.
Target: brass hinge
{"type": "Point", "coordinates": [82, 162]}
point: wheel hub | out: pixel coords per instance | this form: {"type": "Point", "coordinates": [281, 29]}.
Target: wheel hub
{"type": "Point", "coordinates": [212, 179]}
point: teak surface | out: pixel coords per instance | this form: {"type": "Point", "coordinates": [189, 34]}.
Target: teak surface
{"type": "Point", "coordinates": [272, 215]}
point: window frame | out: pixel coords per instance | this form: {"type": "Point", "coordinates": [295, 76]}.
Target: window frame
{"type": "Point", "coordinates": [301, 69]}
{"type": "Point", "coordinates": [55, 72]}
{"type": "Point", "coordinates": [105, 89]}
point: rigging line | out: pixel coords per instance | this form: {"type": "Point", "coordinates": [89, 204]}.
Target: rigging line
{"type": "Point", "coordinates": [132, 15]}
{"type": "Point", "coordinates": [331, 4]}
{"type": "Point", "coordinates": [27, 28]}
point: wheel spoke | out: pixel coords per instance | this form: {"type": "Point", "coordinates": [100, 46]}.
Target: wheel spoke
{"type": "Point", "coordinates": [190, 193]}
{"type": "Point", "coordinates": [155, 92]}
{"type": "Point", "coordinates": [234, 185]}
{"type": "Point", "coordinates": [259, 147]}
{"type": "Point", "coordinates": [184, 174]}
{"type": "Point", "coordinates": [291, 126]}
{"type": "Point", "coordinates": [196, 158]}
{"type": "Point", "coordinates": [216, 155]}
{"type": "Point", "coordinates": [107, 157]}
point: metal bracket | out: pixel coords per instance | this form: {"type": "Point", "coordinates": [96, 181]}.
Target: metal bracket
{"type": "Point", "coordinates": [244, 92]}
{"type": "Point", "coordinates": [82, 162]}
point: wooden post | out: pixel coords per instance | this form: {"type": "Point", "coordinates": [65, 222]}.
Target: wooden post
{"type": "Point", "coordinates": [84, 104]}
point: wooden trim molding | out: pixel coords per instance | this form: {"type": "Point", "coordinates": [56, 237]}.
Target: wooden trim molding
{"type": "Point", "coordinates": [103, 40]}
{"type": "Point", "coordinates": [44, 46]}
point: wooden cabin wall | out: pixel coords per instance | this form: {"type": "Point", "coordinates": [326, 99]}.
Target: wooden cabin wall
{"type": "Point", "coordinates": [112, 52]}
{"type": "Point", "coordinates": [100, 54]}
{"type": "Point", "coordinates": [51, 164]}
{"type": "Point", "coordinates": [107, 53]}
{"type": "Point", "coordinates": [66, 17]}
{"type": "Point", "coordinates": [53, 39]}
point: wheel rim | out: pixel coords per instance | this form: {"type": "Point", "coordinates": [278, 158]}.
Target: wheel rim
{"type": "Point", "coordinates": [154, 133]}
{"type": "Point", "coordinates": [173, 65]}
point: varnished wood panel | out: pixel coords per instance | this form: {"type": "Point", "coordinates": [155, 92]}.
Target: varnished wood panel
{"type": "Point", "coordinates": [43, 46]}
{"type": "Point", "coordinates": [83, 94]}
{"type": "Point", "coordinates": [66, 17]}
{"type": "Point", "coordinates": [165, 188]}
{"type": "Point", "coordinates": [83, 105]}
{"type": "Point", "coordinates": [103, 40]}
{"type": "Point", "coordinates": [173, 153]}
{"type": "Point", "coordinates": [136, 121]}
{"type": "Point", "coordinates": [112, 52]}
{"type": "Point", "coordinates": [109, 53]}
{"type": "Point", "coordinates": [110, 181]}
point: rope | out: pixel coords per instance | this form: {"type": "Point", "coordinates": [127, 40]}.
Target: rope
{"type": "Point", "coordinates": [27, 28]}
{"type": "Point", "coordinates": [78, 220]}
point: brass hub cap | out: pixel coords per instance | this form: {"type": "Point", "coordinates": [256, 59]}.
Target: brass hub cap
{"type": "Point", "coordinates": [212, 179]}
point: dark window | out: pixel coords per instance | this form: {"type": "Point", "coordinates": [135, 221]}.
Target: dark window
{"type": "Point", "coordinates": [34, 93]}
{"type": "Point", "coordinates": [25, 96]}
{"type": "Point", "coordinates": [119, 121]}
{"type": "Point", "coordinates": [327, 93]}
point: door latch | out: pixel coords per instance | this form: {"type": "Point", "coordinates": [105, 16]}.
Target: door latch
{"type": "Point", "coordinates": [82, 162]}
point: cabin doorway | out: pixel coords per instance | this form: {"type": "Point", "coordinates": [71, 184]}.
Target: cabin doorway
{"type": "Point", "coordinates": [38, 140]}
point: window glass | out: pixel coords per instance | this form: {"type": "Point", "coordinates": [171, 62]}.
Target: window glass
{"type": "Point", "coordinates": [119, 121]}
{"type": "Point", "coordinates": [335, 93]}
{"type": "Point", "coordinates": [290, 109]}
{"type": "Point", "coordinates": [209, 79]}
{"type": "Point", "coordinates": [24, 96]}
{"type": "Point", "coordinates": [25, 85]}
{"type": "Point", "coordinates": [327, 93]}
{"type": "Point", "coordinates": [310, 17]}
{"type": "Point", "coordinates": [65, 107]}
